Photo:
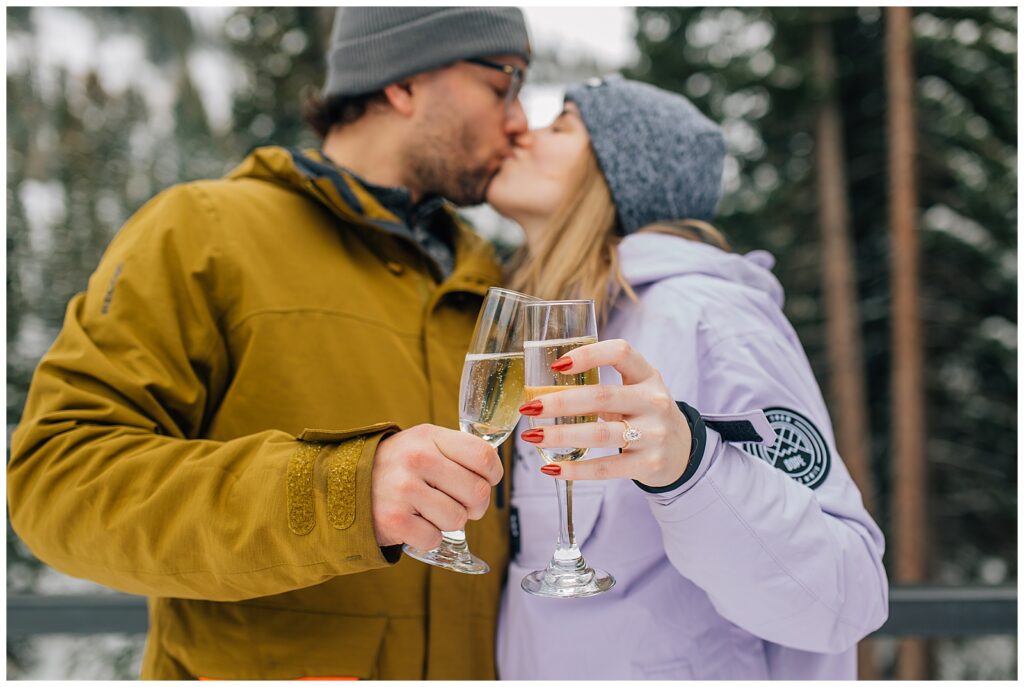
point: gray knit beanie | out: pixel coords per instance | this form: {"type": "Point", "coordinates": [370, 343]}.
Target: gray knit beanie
{"type": "Point", "coordinates": [372, 47]}
{"type": "Point", "coordinates": [661, 157]}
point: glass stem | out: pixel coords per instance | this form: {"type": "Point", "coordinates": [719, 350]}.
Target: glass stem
{"type": "Point", "coordinates": [455, 541]}
{"type": "Point", "coordinates": [454, 537]}
{"type": "Point", "coordinates": [567, 549]}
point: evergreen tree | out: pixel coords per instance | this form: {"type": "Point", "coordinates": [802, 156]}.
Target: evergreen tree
{"type": "Point", "coordinates": [281, 50]}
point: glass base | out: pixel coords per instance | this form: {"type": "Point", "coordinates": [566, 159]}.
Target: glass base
{"type": "Point", "coordinates": [450, 555]}
{"type": "Point", "coordinates": [575, 584]}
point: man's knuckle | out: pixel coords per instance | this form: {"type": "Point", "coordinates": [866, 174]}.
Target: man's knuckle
{"type": "Point", "coordinates": [416, 460]}
{"type": "Point", "coordinates": [429, 540]}
{"type": "Point", "coordinates": [487, 456]}
{"type": "Point", "coordinates": [393, 519]}
{"type": "Point", "coordinates": [481, 492]}
{"type": "Point", "coordinates": [478, 511]}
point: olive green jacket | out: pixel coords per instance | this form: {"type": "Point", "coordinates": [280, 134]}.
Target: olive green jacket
{"type": "Point", "coordinates": [202, 432]}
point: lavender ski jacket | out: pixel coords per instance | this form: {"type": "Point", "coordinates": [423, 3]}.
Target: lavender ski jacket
{"type": "Point", "coordinates": [764, 564]}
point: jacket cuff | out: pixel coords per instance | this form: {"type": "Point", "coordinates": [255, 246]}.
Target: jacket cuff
{"type": "Point", "coordinates": [343, 474]}
{"type": "Point", "coordinates": [698, 444]}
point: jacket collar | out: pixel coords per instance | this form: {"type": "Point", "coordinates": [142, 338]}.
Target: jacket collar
{"type": "Point", "coordinates": [307, 172]}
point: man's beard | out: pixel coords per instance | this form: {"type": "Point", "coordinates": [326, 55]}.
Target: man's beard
{"type": "Point", "coordinates": [439, 164]}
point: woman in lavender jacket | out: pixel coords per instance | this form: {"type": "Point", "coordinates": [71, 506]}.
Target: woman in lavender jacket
{"type": "Point", "coordinates": [740, 545]}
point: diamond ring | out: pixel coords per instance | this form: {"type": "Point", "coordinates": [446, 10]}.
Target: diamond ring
{"type": "Point", "coordinates": [630, 435]}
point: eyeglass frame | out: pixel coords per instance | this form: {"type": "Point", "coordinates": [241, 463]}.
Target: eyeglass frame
{"type": "Point", "coordinates": [516, 74]}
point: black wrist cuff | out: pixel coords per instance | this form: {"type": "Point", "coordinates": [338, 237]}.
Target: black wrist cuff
{"type": "Point", "coordinates": [391, 553]}
{"type": "Point", "coordinates": [698, 440]}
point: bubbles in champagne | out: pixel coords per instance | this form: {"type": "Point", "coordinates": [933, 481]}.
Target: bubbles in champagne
{"type": "Point", "coordinates": [543, 380]}
{"type": "Point", "coordinates": [490, 395]}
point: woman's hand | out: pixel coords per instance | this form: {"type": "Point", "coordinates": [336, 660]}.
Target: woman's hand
{"type": "Point", "coordinates": [658, 458]}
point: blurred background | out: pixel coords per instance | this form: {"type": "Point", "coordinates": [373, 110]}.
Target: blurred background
{"type": "Point", "coordinates": [834, 168]}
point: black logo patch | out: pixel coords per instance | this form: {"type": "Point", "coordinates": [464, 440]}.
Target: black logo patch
{"type": "Point", "coordinates": [800, 450]}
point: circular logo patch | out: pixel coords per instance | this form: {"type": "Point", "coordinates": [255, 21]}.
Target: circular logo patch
{"type": "Point", "coordinates": [800, 451]}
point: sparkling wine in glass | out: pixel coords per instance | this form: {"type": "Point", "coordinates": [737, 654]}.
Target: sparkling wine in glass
{"type": "Point", "coordinates": [490, 394]}
{"type": "Point", "coordinates": [554, 328]}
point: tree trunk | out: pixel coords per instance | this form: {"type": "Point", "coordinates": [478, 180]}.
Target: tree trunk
{"type": "Point", "coordinates": [909, 478]}
{"type": "Point", "coordinates": [846, 360]}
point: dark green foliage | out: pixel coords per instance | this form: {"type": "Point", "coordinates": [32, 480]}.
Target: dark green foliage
{"type": "Point", "coordinates": [281, 50]}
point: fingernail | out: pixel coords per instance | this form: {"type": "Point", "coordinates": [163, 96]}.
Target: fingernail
{"type": "Point", "coordinates": [552, 469]}
{"type": "Point", "coordinates": [562, 364]}
{"type": "Point", "coordinates": [531, 408]}
{"type": "Point", "coordinates": [534, 436]}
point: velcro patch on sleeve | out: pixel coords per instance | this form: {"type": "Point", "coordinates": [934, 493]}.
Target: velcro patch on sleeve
{"type": "Point", "coordinates": [341, 483]}
{"type": "Point", "coordinates": [749, 427]}
{"type": "Point", "coordinates": [734, 430]}
{"type": "Point", "coordinates": [300, 487]}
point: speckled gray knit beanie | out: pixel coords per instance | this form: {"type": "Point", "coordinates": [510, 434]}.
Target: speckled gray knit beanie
{"type": "Point", "coordinates": [661, 157]}
{"type": "Point", "coordinates": [372, 47]}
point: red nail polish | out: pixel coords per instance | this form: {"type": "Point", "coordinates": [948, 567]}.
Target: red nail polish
{"type": "Point", "coordinates": [531, 408]}
{"type": "Point", "coordinates": [562, 364]}
{"type": "Point", "coordinates": [534, 436]}
{"type": "Point", "coordinates": [552, 469]}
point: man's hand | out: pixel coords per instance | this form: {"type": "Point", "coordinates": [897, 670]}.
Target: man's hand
{"type": "Point", "coordinates": [428, 479]}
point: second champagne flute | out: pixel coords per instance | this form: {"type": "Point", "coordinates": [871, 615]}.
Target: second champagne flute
{"type": "Point", "coordinates": [489, 398]}
{"type": "Point", "coordinates": [554, 328]}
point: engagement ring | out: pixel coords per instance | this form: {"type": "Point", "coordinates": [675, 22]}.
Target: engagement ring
{"type": "Point", "coordinates": [630, 435]}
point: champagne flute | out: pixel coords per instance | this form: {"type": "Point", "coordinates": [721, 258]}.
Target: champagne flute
{"type": "Point", "coordinates": [554, 328]}
{"type": "Point", "coordinates": [490, 394]}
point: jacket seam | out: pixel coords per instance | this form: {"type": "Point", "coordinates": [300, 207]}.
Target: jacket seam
{"type": "Point", "coordinates": [691, 516]}
{"type": "Point", "coordinates": [712, 346]}
{"type": "Point", "coordinates": [323, 311]}
{"type": "Point", "coordinates": [204, 202]}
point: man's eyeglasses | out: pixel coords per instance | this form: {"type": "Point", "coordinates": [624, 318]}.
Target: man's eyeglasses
{"type": "Point", "coordinates": [516, 74]}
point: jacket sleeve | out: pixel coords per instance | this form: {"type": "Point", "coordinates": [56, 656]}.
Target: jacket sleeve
{"type": "Point", "coordinates": [797, 564]}
{"type": "Point", "coordinates": [109, 478]}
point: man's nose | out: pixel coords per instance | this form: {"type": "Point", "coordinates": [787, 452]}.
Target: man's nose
{"type": "Point", "coordinates": [515, 119]}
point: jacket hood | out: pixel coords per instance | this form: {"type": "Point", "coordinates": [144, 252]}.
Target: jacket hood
{"type": "Point", "coordinates": [647, 257]}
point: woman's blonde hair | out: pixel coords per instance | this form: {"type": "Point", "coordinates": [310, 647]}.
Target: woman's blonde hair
{"type": "Point", "coordinates": [577, 254]}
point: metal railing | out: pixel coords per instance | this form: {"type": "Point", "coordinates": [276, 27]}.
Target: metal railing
{"type": "Point", "coordinates": [919, 611]}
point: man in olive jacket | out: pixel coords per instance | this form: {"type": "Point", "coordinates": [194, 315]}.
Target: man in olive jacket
{"type": "Point", "coordinates": [254, 402]}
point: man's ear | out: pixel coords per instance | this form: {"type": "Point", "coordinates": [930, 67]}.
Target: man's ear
{"type": "Point", "coordinates": [399, 95]}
